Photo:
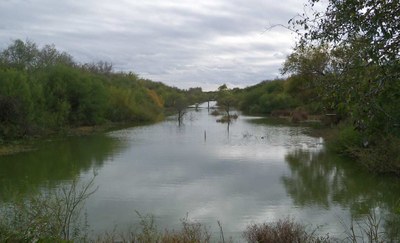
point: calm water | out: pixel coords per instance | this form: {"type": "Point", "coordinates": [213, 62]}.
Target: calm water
{"type": "Point", "coordinates": [249, 172]}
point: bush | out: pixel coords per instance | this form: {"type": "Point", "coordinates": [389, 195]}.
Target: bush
{"type": "Point", "coordinates": [382, 156]}
{"type": "Point", "coordinates": [52, 217]}
{"type": "Point", "coordinates": [190, 232]}
{"type": "Point", "coordinates": [346, 140]}
{"type": "Point", "coordinates": [283, 231]}
{"type": "Point", "coordinates": [270, 102]}
{"type": "Point", "coordinates": [215, 113]}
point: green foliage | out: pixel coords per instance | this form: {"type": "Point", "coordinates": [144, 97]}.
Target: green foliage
{"type": "Point", "coordinates": [74, 97]}
{"type": "Point", "coordinates": [27, 56]}
{"type": "Point", "coordinates": [381, 156]}
{"type": "Point", "coordinates": [271, 102]}
{"type": "Point", "coordinates": [226, 100]}
{"type": "Point", "coordinates": [346, 140]}
{"type": "Point", "coordinates": [350, 54]}
{"type": "Point", "coordinates": [15, 102]}
{"type": "Point", "coordinates": [43, 90]}
{"type": "Point", "coordinates": [267, 97]}
{"type": "Point", "coordinates": [371, 23]}
{"type": "Point", "coordinates": [20, 55]}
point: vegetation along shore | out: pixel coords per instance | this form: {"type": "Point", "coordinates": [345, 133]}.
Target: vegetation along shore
{"type": "Point", "coordinates": [343, 77]}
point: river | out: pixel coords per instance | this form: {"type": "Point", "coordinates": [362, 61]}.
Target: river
{"type": "Point", "coordinates": [250, 171]}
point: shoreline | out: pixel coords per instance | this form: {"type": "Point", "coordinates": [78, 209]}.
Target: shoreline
{"type": "Point", "coordinates": [27, 144]}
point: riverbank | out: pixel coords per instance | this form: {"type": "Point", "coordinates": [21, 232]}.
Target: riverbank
{"type": "Point", "coordinates": [378, 154]}
{"type": "Point", "coordinates": [27, 143]}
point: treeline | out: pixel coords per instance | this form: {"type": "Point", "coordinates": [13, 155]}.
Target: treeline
{"type": "Point", "coordinates": [44, 90]}
{"type": "Point", "coordinates": [270, 97]}
{"type": "Point", "coordinates": [345, 66]}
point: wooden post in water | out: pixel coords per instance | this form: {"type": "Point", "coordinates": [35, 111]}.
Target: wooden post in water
{"type": "Point", "coordinates": [205, 135]}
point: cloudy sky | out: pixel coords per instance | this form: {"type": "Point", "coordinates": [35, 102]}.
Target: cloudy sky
{"type": "Point", "coordinates": [184, 43]}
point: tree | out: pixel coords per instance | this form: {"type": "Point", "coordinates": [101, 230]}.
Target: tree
{"type": "Point", "coordinates": [180, 104]}
{"type": "Point", "coordinates": [315, 71]}
{"type": "Point", "coordinates": [99, 67]}
{"type": "Point", "coordinates": [360, 74]}
{"type": "Point", "coordinates": [16, 106]}
{"type": "Point", "coordinates": [20, 55]}
{"type": "Point", "coordinates": [49, 56]}
{"type": "Point", "coordinates": [226, 100]}
{"type": "Point", "coordinates": [363, 40]}
{"type": "Point", "coordinates": [372, 23]}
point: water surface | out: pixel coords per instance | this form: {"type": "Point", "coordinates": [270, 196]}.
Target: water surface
{"type": "Point", "coordinates": [250, 171]}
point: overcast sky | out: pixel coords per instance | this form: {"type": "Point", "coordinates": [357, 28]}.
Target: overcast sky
{"type": "Point", "coordinates": [184, 43]}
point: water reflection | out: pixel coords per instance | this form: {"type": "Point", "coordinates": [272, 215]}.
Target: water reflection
{"type": "Point", "coordinates": [255, 173]}
{"type": "Point", "coordinates": [327, 180]}
{"type": "Point", "coordinates": [53, 162]}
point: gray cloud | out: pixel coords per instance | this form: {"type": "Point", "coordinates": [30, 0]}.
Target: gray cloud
{"type": "Point", "coordinates": [181, 43]}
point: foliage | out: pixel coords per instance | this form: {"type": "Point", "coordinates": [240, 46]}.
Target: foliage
{"type": "Point", "coordinates": [179, 103]}
{"type": "Point", "coordinates": [346, 139]}
{"type": "Point", "coordinates": [226, 100]}
{"type": "Point", "coordinates": [349, 56]}
{"type": "Point", "coordinates": [26, 56]}
{"type": "Point", "coordinates": [44, 90]}
{"type": "Point", "coordinates": [371, 23]}
{"type": "Point", "coordinates": [15, 103]}
{"type": "Point", "coordinates": [283, 231]}
{"type": "Point", "coordinates": [267, 97]}
{"type": "Point", "coordinates": [383, 156]}
{"type": "Point", "coordinates": [365, 34]}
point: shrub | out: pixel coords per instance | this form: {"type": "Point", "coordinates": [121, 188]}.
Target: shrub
{"type": "Point", "coordinates": [283, 231]}
{"type": "Point", "coordinates": [215, 113]}
{"type": "Point", "coordinates": [298, 116]}
{"type": "Point", "coordinates": [346, 140]}
{"type": "Point", "coordinates": [382, 156]}
{"type": "Point", "coordinates": [191, 232]}
{"type": "Point", "coordinates": [52, 217]}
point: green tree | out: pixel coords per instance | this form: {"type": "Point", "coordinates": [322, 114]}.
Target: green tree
{"type": "Point", "coordinates": [316, 72]}
{"type": "Point", "coordinates": [179, 103]}
{"type": "Point", "coordinates": [371, 24]}
{"type": "Point", "coordinates": [226, 100]}
{"type": "Point", "coordinates": [15, 104]}
{"type": "Point", "coordinates": [20, 55]}
{"type": "Point", "coordinates": [49, 56]}
{"type": "Point", "coordinates": [361, 71]}
{"type": "Point", "coordinates": [365, 35]}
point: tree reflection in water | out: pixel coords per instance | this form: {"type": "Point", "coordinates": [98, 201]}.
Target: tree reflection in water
{"type": "Point", "coordinates": [53, 163]}
{"type": "Point", "coordinates": [324, 179]}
